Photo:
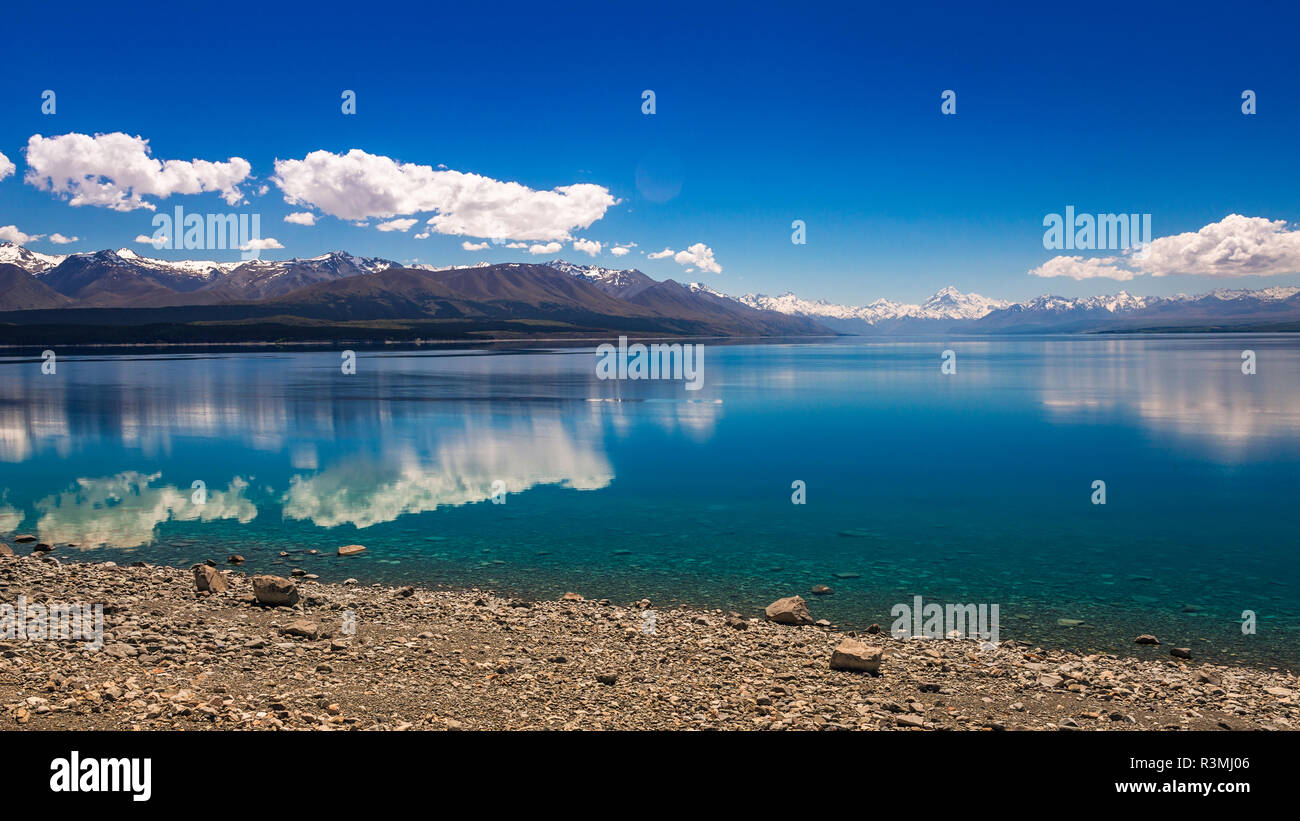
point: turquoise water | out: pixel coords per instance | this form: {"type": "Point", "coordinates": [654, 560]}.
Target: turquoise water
{"type": "Point", "coordinates": [974, 487]}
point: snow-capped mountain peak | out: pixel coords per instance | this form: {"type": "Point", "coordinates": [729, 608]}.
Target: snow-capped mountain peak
{"type": "Point", "coordinates": [948, 303]}
{"type": "Point", "coordinates": [32, 262]}
{"type": "Point", "coordinates": [622, 283]}
{"type": "Point", "coordinates": [700, 287]}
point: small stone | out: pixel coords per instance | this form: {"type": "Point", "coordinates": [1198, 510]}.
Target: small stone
{"type": "Point", "coordinates": [1146, 639]}
{"type": "Point", "coordinates": [607, 678]}
{"type": "Point", "coordinates": [235, 558]}
{"type": "Point", "coordinates": [351, 549]}
{"type": "Point", "coordinates": [571, 597]}
{"type": "Point", "coordinates": [1181, 652]}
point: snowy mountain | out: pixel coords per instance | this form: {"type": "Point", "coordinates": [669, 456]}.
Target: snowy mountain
{"type": "Point", "coordinates": [620, 283]}
{"type": "Point", "coordinates": [30, 261]}
{"type": "Point", "coordinates": [259, 279]}
{"type": "Point", "coordinates": [198, 269]}
{"type": "Point", "coordinates": [947, 305]}
{"type": "Point", "coordinates": [124, 279]}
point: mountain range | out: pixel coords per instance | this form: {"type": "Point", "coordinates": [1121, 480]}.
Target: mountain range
{"type": "Point", "coordinates": [129, 297]}
{"type": "Point", "coordinates": [119, 295]}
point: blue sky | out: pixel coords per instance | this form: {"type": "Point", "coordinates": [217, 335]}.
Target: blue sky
{"type": "Point", "coordinates": [829, 114]}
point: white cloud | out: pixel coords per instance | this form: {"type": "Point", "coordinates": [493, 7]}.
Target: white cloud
{"type": "Point", "coordinates": [422, 235]}
{"type": "Point", "coordinates": [301, 218]}
{"type": "Point", "coordinates": [587, 246]}
{"type": "Point", "coordinates": [59, 239]}
{"type": "Point", "coordinates": [270, 243]}
{"type": "Point", "coordinates": [358, 185]}
{"type": "Point", "coordinates": [145, 239]}
{"type": "Point", "coordinates": [1235, 246]}
{"type": "Point", "coordinates": [618, 250]}
{"type": "Point", "coordinates": [115, 171]}
{"type": "Point", "coordinates": [474, 246]}
{"type": "Point", "coordinates": [6, 166]}
{"type": "Point", "coordinates": [548, 248]}
{"type": "Point", "coordinates": [1083, 268]}
{"type": "Point", "coordinates": [700, 256]}
{"type": "Point", "coordinates": [516, 245]}
{"type": "Point", "coordinates": [667, 252]}
{"type": "Point", "coordinates": [397, 225]}
{"type": "Point", "coordinates": [12, 234]}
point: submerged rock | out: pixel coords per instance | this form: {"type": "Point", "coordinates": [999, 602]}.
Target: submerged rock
{"type": "Point", "coordinates": [1146, 639]}
{"type": "Point", "coordinates": [821, 590]}
{"type": "Point", "coordinates": [351, 549]}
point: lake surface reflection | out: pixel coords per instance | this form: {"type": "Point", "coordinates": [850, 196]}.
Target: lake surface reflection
{"type": "Point", "coordinates": [974, 487]}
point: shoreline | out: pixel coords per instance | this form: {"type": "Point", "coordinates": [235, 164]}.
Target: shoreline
{"type": "Point", "coordinates": [420, 658]}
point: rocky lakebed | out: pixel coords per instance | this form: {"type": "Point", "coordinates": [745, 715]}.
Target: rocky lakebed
{"type": "Point", "coordinates": [212, 647]}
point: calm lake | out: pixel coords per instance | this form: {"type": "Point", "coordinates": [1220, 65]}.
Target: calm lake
{"type": "Point", "coordinates": [975, 487]}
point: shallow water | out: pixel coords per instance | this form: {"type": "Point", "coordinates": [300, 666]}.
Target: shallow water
{"type": "Point", "coordinates": [969, 488]}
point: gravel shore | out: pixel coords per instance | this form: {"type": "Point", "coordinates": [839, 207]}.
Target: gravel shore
{"type": "Point", "coordinates": [348, 656]}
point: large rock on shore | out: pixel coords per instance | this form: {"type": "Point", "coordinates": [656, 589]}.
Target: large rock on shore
{"type": "Point", "coordinates": [275, 590]}
{"type": "Point", "coordinates": [6, 550]}
{"type": "Point", "coordinates": [210, 579]}
{"type": "Point", "coordinates": [853, 655]}
{"type": "Point", "coordinates": [790, 610]}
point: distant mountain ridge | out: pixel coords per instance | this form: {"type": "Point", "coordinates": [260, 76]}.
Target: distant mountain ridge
{"type": "Point", "coordinates": [340, 287]}
{"type": "Point", "coordinates": [950, 311]}
{"type": "Point", "coordinates": [123, 289]}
